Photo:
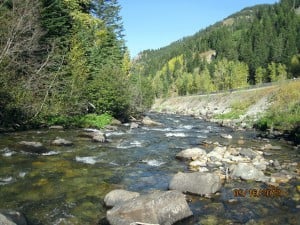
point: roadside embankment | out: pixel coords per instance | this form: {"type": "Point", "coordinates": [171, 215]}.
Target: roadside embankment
{"type": "Point", "coordinates": [273, 108]}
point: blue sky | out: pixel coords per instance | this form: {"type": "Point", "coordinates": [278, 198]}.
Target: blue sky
{"type": "Point", "coordinates": [151, 24]}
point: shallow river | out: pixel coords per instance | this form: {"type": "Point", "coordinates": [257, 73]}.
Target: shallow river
{"type": "Point", "coordinates": [67, 185]}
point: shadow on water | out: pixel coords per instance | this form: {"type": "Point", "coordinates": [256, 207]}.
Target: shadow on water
{"type": "Point", "coordinates": [67, 184]}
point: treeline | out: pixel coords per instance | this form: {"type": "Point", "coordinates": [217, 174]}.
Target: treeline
{"type": "Point", "coordinates": [62, 58]}
{"type": "Point", "coordinates": [258, 44]}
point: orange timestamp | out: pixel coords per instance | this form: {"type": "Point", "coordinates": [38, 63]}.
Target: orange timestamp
{"type": "Point", "coordinates": [271, 191]}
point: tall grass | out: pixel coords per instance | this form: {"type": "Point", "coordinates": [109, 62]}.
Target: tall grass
{"type": "Point", "coordinates": [284, 113]}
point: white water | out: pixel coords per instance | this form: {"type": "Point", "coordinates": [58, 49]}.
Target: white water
{"type": "Point", "coordinates": [87, 159]}
{"type": "Point", "coordinates": [175, 134]}
{"type": "Point", "coordinates": [153, 162]}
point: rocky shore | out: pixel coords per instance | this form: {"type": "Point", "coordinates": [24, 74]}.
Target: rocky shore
{"type": "Point", "coordinates": [247, 106]}
{"type": "Point", "coordinates": [209, 170]}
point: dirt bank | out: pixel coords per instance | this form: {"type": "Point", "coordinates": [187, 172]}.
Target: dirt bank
{"type": "Point", "coordinates": [234, 109]}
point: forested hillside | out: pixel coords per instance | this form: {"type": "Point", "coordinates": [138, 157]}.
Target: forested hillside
{"type": "Point", "coordinates": [61, 59]}
{"type": "Point", "coordinates": [258, 44]}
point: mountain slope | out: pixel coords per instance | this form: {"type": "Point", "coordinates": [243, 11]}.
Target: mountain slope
{"type": "Point", "coordinates": [258, 44]}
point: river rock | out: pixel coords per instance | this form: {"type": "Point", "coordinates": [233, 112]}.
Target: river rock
{"type": "Point", "coordinates": [280, 177]}
{"type": "Point", "coordinates": [196, 183]}
{"type": "Point", "coordinates": [134, 125]}
{"type": "Point", "coordinates": [161, 207]}
{"type": "Point", "coordinates": [226, 136]}
{"type": "Point", "coordinates": [61, 142]}
{"type": "Point", "coordinates": [11, 217]}
{"type": "Point", "coordinates": [117, 196]}
{"type": "Point", "coordinates": [191, 153]}
{"type": "Point", "coordinates": [56, 127]}
{"type": "Point", "coordinates": [94, 134]}
{"type": "Point", "coordinates": [32, 146]}
{"type": "Point", "coordinates": [217, 152]}
{"type": "Point", "coordinates": [111, 128]}
{"type": "Point", "coordinates": [202, 169]}
{"type": "Point", "coordinates": [247, 171]}
{"type": "Point", "coordinates": [248, 152]}
{"type": "Point", "coordinates": [99, 137]}
{"type": "Point", "coordinates": [270, 147]}
{"type": "Point", "coordinates": [149, 122]}
{"type": "Point", "coordinates": [115, 122]}
{"type": "Point", "coordinates": [198, 163]}
{"type": "Point", "coordinates": [276, 164]}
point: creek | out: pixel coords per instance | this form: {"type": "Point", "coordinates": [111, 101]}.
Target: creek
{"type": "Point", "coordinates": [67, 184]}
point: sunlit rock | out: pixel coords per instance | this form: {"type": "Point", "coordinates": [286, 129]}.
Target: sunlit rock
{"type": "Point", "coordinates": [161, 207]}
{"type": "Point", "coordinates": [196, 183]}
{"type": "Point", "coordinates": [118, 196]}
{"type": "Point", "coordinates": [149, 122]}
{"type": "Point", "coordinates": [247, 171]}
{"type": "Point", "coordinates": [61, 142]}
{"type": "Point", "coordinates": [191, 153]}
{"type": "Point", "coordinates": [11, 217]}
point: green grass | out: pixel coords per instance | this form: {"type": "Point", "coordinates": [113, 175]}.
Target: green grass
{"type": "Point", "coordinates": [88, 121]}
{"type": "Point", "coordinates": [284, 114]}
{"type": "Point", "coordinates": [238, 108]}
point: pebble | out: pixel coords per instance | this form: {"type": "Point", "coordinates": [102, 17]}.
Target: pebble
{"type": "Point", "coordinates": [56, 127]}
{"type": "Point", "coordinates": [271, 147]}
{"type": "Point", "coordinates": [267, 153]}
{"type": "Point", "coordinates": [232, 200]}
{"type": "Point", "coordinates": [241, 142]}
{"type": "Point", "coordinates": [226, 136]}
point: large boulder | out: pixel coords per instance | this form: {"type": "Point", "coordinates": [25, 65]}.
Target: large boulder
{"type": "Point", "coordinates": [11, 217]}
{"type": "Point", "coordinates": [191, 153]}
{"type": "Point", "coordinates": [162, 207]}
{"type": "Point", "coordinates": [117, 196]}
{"type": "Point", "coordinates": [196, 183]}
{"type": "Point", "coordinates": [247, 171]}
{"type": "Point", "coordinates": [33, 147]}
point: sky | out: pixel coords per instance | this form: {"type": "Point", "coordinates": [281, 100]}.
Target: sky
{"type": "Point", "coordinates": [152, 24]}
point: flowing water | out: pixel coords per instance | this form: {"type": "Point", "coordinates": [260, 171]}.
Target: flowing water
{"type": "Point", "coordinates": [66, 185]}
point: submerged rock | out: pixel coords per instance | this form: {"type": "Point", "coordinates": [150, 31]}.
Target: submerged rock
{"type": "Point", "coordinates": [32, 146]}
{"type": "Point", "coordinates": [11, 217]}
{"type": "Point", "coordinates": [162, 207]}
{"type": "Point", "coordinates": [196, 183]}
{"type": "Point", "coordinates": [118, 196]}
